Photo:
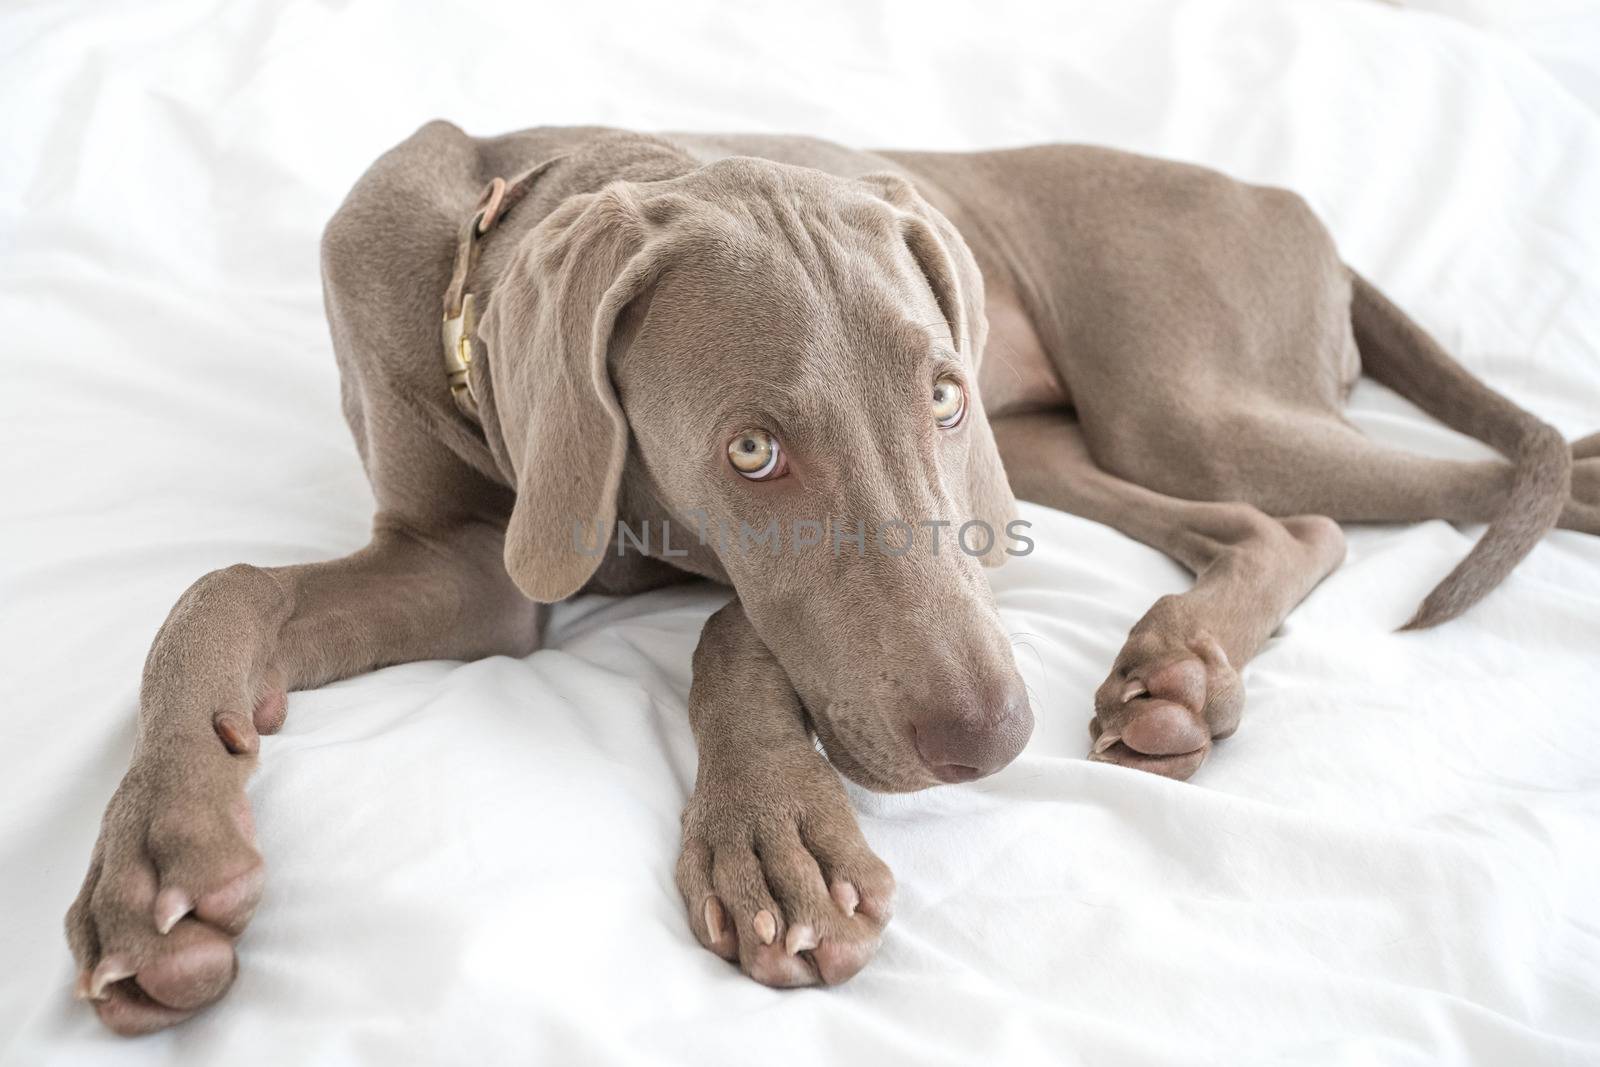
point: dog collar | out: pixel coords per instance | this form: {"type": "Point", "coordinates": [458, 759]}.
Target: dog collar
{"type": "Point", "coordinates": [460, 331]}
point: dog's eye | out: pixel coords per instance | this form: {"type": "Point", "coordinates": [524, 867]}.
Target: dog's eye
{"type": "Point", "coordinates": [949, 402]}
{"type": "Point", "coordinates": [756, 455]}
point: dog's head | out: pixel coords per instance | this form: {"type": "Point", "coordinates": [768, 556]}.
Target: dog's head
{"type": "Point", "coordinates": [786, 362]}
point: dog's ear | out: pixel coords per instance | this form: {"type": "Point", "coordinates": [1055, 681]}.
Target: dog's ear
{"type": "Point", "coordinates": [549, 329]}
{"type": "Point", "coordinates": [951, 272]}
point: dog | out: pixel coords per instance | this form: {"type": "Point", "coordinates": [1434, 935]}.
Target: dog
{"type": "Point", "coordinates": [759, 333]}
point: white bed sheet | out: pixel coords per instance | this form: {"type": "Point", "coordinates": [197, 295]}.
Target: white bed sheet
{"type": "Point", "coordinates": [1396, 860]}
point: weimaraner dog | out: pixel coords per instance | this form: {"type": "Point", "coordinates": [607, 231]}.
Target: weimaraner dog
{"type": "Point", "coordinates": [645, 334]}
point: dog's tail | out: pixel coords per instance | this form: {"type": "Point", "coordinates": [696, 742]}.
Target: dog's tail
{"type": "Point", "coordinates": [1400, 354]}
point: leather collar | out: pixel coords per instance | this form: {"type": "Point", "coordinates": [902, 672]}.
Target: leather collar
{"type": "Point", "coordinates": [460, 328]}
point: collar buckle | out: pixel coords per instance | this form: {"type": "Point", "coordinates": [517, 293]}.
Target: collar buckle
{"type": "Point", "coordinates": [459, 333]}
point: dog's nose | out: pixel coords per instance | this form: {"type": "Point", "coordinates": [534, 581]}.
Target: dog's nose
{"type": "Point", "coordinates": [963, 743]}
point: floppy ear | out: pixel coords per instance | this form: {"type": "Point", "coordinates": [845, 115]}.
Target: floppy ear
{"type": "Point", "coordinates": [957, 286]}
{"type": "Point", "coordinates": [549, 330]}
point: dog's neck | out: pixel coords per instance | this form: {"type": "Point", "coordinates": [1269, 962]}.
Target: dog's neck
{"type": "Point", "coordinates": [460, 330]}
{"type": "Point", "coordinates": [539, 190]}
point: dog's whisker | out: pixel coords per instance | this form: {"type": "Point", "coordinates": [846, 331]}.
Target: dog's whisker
{"type": "Point", "coordinates": [1017, 640]}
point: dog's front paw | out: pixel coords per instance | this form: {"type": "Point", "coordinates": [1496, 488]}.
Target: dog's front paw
{"type": "Point", "coordinates": [1165, 702]}
{"type": "Point", "coordinates": [172, 882]}
{"type": "Point", "coordinates": [776, 874]}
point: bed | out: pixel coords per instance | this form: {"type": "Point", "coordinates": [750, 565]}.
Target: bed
{"type": "Point", "coordinates": [1396, 860]}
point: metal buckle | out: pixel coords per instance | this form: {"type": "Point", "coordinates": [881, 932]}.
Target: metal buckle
{"type": "Point", "coordinates": [459, 332]}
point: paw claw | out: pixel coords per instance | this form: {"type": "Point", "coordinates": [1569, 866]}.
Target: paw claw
{"type": "Point", "coordinates": [714, 916]}
{"type": "Point", "coordinates": [238, 735]}
{"type": "Point", "coordinates": [171, 905]}
{"type": "Point", "coordinates": [801, 938]}
{"type": "Point", "coordinates": [1134, 689]}
{"type": "Point", "coordinates": [108, 972]}
{"type": "Point", "coordinates": [766, 927]}
{"type": "Point", "coordinates": [844, 894]}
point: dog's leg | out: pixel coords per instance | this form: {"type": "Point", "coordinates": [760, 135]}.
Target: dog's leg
{"type": "Point", "coordinates": [1289, 462]}
{"type": "Point", "coordinates": [175, 875]}
{"type": "Point", "coordinates": [774, 871]}
{"type": "Point", "coordinates": [1175, 687]}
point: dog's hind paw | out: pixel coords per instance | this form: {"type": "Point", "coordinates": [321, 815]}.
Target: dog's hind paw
{"type": "Point", "coordinates": [776, 876]}
{"type": "Point", "coordinates": [1162, 707]}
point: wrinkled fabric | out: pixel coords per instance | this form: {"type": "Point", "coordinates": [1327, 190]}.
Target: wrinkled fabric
{"type": "Point", "coordinates": [1396, 860]}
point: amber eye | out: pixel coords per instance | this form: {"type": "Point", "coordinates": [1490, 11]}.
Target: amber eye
{"type": "Point", "coordinates": [949, 402]}
{"type": "Point", "coordinates": [756, 455]}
